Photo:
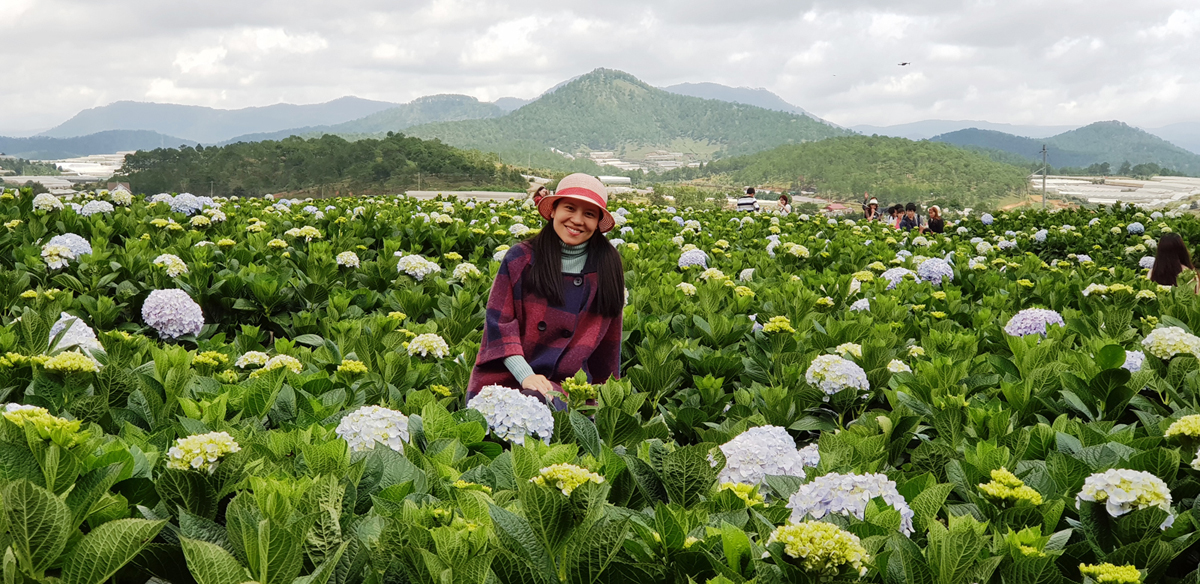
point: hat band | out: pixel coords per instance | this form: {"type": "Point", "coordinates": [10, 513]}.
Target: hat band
{"type": "Point", "coordinates": [585, 193]}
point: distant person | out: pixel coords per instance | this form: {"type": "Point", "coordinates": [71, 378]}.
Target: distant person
{"type": "Point", "coordinates": [895, 212]}
{"type": "Point", "coordinates": [936, 224]}
{"type": "Point", "coordinates": [1170, 261]}
{"type": "Point", "coordinates": [748, 202]}
{"type": "Point", "coordinates": [871, 211]}
{"type": "Point", "coordinates": [910, 220]}
{"type": "Point", "coordinates": [785, 207]}
{"type": "Point", "coordinates": [539, 194]}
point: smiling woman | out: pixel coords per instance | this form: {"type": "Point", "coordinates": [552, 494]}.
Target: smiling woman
{"type": "Point", "coordinates": [555, 307]}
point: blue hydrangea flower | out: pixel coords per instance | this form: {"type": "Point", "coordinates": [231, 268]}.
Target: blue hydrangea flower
{"type": "Point", "coordinates": [935, 271]}
{"type": "Point", "coordinates": [1135, 228]}
{"type": "Point", "coordinates": [693, 257]}
{"type": "Point", "coordinates": [1040, 236]}
{"type": "Point", "coordinates": [986, 218]}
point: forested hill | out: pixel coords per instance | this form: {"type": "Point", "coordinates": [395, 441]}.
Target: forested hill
{"type": "Point", "coordinates": [1114, 143]}
{"type": "Point", "coordinates": [894, 169]}
{"type": "Point", "coordinates": [611, 110]}
{"type": "Point", "coordinates": [322, 165]}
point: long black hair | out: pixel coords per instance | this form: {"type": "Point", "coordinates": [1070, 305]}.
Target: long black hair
{"type": "Point", "coordinates": [1171, 259]}
{"type": "Point", "coordinates": [545, 275]}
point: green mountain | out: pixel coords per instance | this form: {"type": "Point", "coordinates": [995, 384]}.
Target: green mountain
{"type": "Point", "coordinates": [433, 108]}
{"type": "Point", "coordinates": [895, 170]}
{"type": "Point", "coordinates": [609, 110]}
{"type": "Point", "coordinates": [107, 142]}
{"type": "Point", "coordinates": [320, 166]}
{"type": "Point", "coordinates": [1102, 142]}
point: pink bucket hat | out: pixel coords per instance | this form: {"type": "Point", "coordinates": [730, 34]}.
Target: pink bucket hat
{"type": "Point", "coordinates": [582, 187]}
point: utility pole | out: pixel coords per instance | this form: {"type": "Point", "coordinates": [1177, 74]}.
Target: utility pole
{"type": "Point", "coordinates": [1043, 177]}
{"type": "Point", "coordinates": [210, 189]}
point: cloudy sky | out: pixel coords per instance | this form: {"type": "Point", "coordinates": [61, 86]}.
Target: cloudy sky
{"type": "Point", "coordinates": [1015, 61]}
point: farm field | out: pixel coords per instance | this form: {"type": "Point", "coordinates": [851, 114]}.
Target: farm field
{"type": "Point", "coordinates": [250, 390]}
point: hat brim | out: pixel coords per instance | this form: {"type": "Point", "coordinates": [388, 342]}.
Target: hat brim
{"type": "Point", "coordinates": [546, 205]}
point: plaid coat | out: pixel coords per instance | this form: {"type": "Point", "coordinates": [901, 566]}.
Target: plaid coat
{"type": "Point", "coordinates": [557, 341]}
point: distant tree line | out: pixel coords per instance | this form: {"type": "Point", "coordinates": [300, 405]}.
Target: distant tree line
{"type": "Point", "coordinates": [319, 166]}
{"type": "Point", "coordinates": [22, 167]}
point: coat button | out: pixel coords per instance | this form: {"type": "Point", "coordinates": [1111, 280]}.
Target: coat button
{"type": "Point", "coordinates": [542, 326]}
{"type": "Point", "coordinates": [578, 281]}
{"type": "Point", "coordinates": [566, 334]}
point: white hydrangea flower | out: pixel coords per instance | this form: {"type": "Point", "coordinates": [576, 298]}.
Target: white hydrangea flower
{"type": "Point", "coordinates": [849, 349]}
{"type": "Point", "coordinates": [47, 202]}
{"type": "Point", "coordinates": [500, 252]}
{"type": "Point", "coordinates": [833, 374]}
{"type": "Point", "coordinates": [1123, 490]}
{"type": "Point", "coordinates": [78, 245]}
{"type": "Point", "coordinates": [746, 275]}
{"type": "Point", "coordinates": [201, 451]}
{"type": "Point", "coordinates": [512, 415]}
{"type": "Point", "coordinates": [686, 288]}
{"type": "Point", "coordinates": [348, 259]}
{"type": "Point", "coordinates": [762, 451]}
{"type": "Point", "coordinates": [78, 335]}
{"type": "Point", "coordinates": [428, 343]}
{"type": "Point", "coordinates": [252, 359]}
{"type": "Point", "coordinates": [94, 207]}
{"type": "Point", "coordinates": [898, 366]}
{"type": "Point", "coordinates": [172, 263]}
{"type": "Point", "coordinates": [57, 256]}
{"type": "Point", "coordinates": [172, 313]}
{"type": "Point", "coordinates": [416, 266]}
{"type": "Point", "coordinates": [848, 494]}
{"type": "Point", "coordinates": [466, 270]}
{"type": "Point", "coordinates": [1166, 342]}
{"type": "Point", "coordinates": [367, 425]}
{"type": "Point", "coordinates": [861, 305]}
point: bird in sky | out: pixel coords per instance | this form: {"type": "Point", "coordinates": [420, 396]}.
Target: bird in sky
{"type": "Point", "coordinates": [905, 64]}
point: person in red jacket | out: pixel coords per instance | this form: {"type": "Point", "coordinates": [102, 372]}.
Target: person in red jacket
{"type": "Point", "coordinates": [556, 305]}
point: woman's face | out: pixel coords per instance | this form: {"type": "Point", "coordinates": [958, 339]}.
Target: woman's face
{"type": "Point", "coordinates": [575, 221]}
{"type": "Point", "coordinates": [936, 214]}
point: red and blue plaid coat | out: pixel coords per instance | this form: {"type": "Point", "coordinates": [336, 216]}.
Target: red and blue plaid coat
{"type": "Point", "coordinates": [557, 341]}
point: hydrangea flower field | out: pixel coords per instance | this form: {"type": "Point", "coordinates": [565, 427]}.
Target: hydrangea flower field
{"type": "Point", "coordinates": [228, 391]}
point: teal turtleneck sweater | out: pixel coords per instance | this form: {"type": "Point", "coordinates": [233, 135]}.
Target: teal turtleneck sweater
{"type": "Point", "coordinates": [573, 259]}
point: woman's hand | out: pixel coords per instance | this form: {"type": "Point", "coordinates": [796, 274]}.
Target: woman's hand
{"type": "Point", "coordinates": [538, 383]}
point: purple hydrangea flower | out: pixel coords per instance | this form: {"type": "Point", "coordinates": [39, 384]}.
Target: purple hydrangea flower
{"type": "Point", "coordinates": [895, 275]}
{"type": "Point", "coordinates": [1032, 321]}
{"type": "Point", "coordinates": [172, 313]}
{"type": "Point", "coordinates": [1146, 263]}
{"type": "Point", "coordinates": [986, 218]}
{"type": "Point", "coordinates": [935, 271]}
{"type": "Point", "coordinates": [1133, 361]}
{"type": "Point", "coordinates": [693, 257]}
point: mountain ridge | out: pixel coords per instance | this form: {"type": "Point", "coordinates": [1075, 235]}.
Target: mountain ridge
{"type": "Point", "coordinates": [106, 142]}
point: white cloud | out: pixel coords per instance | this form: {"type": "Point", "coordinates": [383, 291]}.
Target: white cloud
{"type": "Point", "coordinates": [203, 60]}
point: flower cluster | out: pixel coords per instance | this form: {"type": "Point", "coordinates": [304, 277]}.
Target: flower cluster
{"type": "Point", "coordinates": [1135, 228]}
{"type": "Point", "coordinates": [280, 362]}
{"type": "Point", "coordinates": [428, 344]}
{"type": "Point", "coordinates": [348, 259]}
{"type": "Point", "coordinates": [175, 266]}
{"type": "Point", "coordinates": [308, 232]}
{"type": "Point", "coordinates": [252, 359]}
{"type": "Point", "coordinates": [762, 451]}
{"type": "Point", "coordinates": [60, 431]}
{"type": "Point", "coordinates": [848, 494]}
{"type": "Point", "coordinates": [686, 288]}
{"type": "Point", "coordinates": [745, 492]}
{"type": "Point", "coordinates": [1187, 426]}
{"type": "Point", "coordinates": [465, 271]}
{"type": "Point", "coordinates": [201, 451]}
{"type": "Point", "coordinates": [57, 256]}
{"type": "Point", "coordinates": [363, 427]}
{"type": "Point", "coordinates": [833, 374]}
{"type": "Point", "coordinates": [1166, 342]}
{"type": "Point", "coordinates": [849, 349]}
{"type": "Point", "coordinates": [1007, 488]}
{"type": "Point", "coordinates": [47, 202]}
{"type": "Point", "coordinates": [895, 275]}
{"type": "Point", "coordinates": [512, 415]}
{"type": "Point", "coordinates": [1107, 573]}
{"type": "Point", "coordinates": [71, 362]}
{"type": "Point", "coordinates": [1133, 361]}
{"type": "Point", "coordinates": [1032, 321]}
{"type": "Point", "coordinates": [77, 335]}
{"type": "Point", "coordinates": [565, 477]}
{"type": "Point", "coordinates": [935, 271]}
{"type": "Point", "coordinates": [862, 304]}
{"type": "Point", "coordinates": [416, 266]}
{"type": "Point", "coordinates": [1146, 263]}
{"type": "Point", "coordinates": [352, 367]}
{"type": "Point", "coordinates": [778, 324]}
{"type": "Point", "coordinates": [93, 207]}
{"type": "Point", "coordinates": [693, 257]}
{"type": "Point", "coordinates": [172, 313]}
{"type": "Point", "coordinates": [1122, 490]}
{"type": "Point", "coordinates": [823, 549]}
{"type": "Point", "coordinates": [898, 366]}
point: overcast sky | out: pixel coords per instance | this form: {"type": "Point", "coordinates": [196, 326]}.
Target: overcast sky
{"type": "Point", "coordinates": [1015, 61]}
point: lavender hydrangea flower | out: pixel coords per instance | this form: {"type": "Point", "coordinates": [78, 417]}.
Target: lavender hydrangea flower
{"type": "Point", "coordinates": [186, 203]}
{"type": "Point", "coordinates": [172, 313]}
{"type": "Point", "coordinates": [693, 257]}
{"type": "Point", "coordinates": [1040, 236]}
{"type": "Point", "coordinates": [1133, 361]}
{"type": "Point", "coordinates": [848, 494]}
{"type": "Point", "coordinates": [895, 275]}
{"type": "Point", "coordinates": [1135, 228]}
{"type": "Point", "coordinates": [935, 271]}
{"type": "Point", "coordinates": [77, 336]}
{"type": "Point", "coordinates": [1146, 263]}
{"type": "Point", "coordinates": [986, 218]}
{"type": "Point", "coordinates": [1032, 321]}
{"type": "Point", "coordinates": [862, 304]}
{"type": "Point", "coordinates": [1083, 258]}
